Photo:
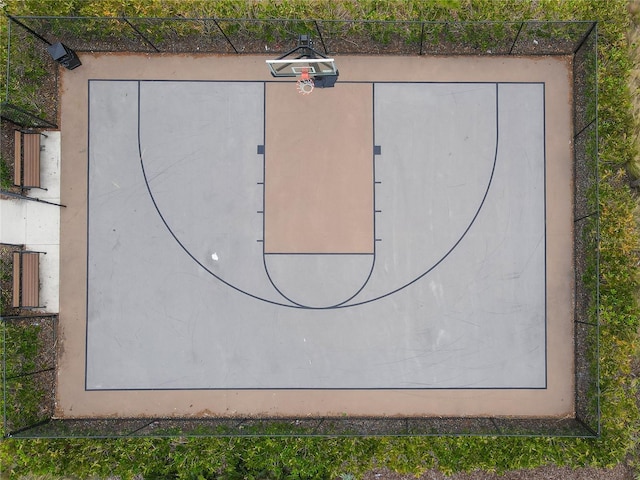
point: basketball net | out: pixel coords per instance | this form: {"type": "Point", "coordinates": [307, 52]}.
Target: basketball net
{"type": "Point", "coordinates": [305, 83]}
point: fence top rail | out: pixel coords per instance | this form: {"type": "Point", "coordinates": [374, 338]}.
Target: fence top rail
{"type": "Point", "coordinates": [335, 20]}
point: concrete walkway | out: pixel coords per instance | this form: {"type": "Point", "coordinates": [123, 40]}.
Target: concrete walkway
{"type": "Point", "coordinates": [37, 225]}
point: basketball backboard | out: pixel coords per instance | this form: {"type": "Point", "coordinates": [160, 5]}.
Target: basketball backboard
{"type": "Point", "coordinates": [293, 67]}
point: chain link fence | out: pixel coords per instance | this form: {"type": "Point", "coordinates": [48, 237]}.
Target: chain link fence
{"type": "Point", "coordinates": [29, 374]}
{"type": "Point", "coordinates": [586, 232]}
{"type": "Point", "coordinates": [32, 101]}
{"type": "Point", "coordinates": [32, 77]}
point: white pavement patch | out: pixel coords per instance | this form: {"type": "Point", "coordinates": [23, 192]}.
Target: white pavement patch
{"type": "Point", "coordinates": [37, 225]}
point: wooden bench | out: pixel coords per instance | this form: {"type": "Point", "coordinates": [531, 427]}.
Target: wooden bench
{"type": "Point", "coordinates": [26, 279]}
{"type": "Point", "coordinates": [27, 159]}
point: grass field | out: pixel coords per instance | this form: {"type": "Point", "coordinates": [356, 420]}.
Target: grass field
{"type": "Point", "coordinates": [335, 457]}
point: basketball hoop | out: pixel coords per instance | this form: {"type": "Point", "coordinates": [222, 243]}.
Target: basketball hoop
{"type": "Point", "coordinates": [305, 84]}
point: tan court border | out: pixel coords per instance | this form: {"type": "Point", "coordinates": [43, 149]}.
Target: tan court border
{"type": "Point", "coordinates": [556, 400]}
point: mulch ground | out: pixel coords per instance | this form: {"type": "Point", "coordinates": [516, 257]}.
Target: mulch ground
{"type": "Point", "coordinates": [620, 472]}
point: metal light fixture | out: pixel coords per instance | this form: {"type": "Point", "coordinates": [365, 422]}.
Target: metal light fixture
{"type": "Point", "coordinates": [64, 55]}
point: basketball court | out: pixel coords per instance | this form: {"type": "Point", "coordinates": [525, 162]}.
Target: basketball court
{"type": "Point", "coordinates": [397, 245]}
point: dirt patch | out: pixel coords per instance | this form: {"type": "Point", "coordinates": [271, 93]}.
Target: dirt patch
{"type": "Point", "coordinates": [620, 472]}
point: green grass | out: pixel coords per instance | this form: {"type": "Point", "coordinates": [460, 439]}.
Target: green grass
{"type": "Point", "coordinates": [280, 458]}
{"type": "Point", "coordinates": [28, 69]}
{"type": "Point", "coordinates": [5, 278]}
{"type": "Point", "coordinates": [23, 394]}
{"type": "Point", "coordinates": [6, 182]}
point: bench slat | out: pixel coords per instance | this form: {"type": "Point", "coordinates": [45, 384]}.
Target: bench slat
{"type": "Point", "coordinates": [31, 159]}
{"type": "Point", "coordinates": [16, 279]}
{"type": "Point", "coordinates": [30, 279]}
{"type": "Point", "coordinates": [17, 172]}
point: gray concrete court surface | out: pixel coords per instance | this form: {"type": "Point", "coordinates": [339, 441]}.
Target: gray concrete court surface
{"type": "Point", "coordinates": [185, 293]}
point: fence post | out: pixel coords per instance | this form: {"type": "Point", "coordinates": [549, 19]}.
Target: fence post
{"type": "Point", "coordinates": [515, 40]}
{"type": "Point", "coordinates": [495, 425]}
{"type": "Point", "coordinates": [41, 122]}
{"type": "Point", "coordinates": [225, 35]}
{"type": "Point", "coordinates": [26, 429]}
{"type": "Point", "coordinates": [584, 38]}
{"type": "Point", "coordinates": [28, 374]}
{"type": "Point", "coordinates": [421, 38]}
{"type": "Point", "coordinates": [139, 33]}
{"type": "Point", "coordinates": [321, 39]}
{"type": "Point", "coordinates": [32, 199]}
{"type": "Point", "coordinates": [31, 31]}
{"type": "Point", "coordinates": [23, 317]}
{"type": "Point", "coordinates": [147, 423]}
